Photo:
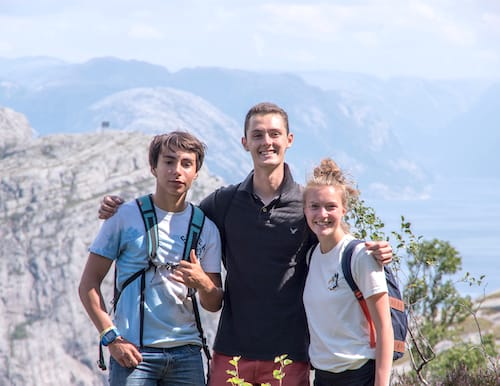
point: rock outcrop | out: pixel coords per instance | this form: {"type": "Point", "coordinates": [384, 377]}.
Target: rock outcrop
{"type": "Point", "coordinates": [50, 190]}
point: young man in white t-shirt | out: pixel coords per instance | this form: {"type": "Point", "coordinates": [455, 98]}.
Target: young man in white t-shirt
{"type": "Point", "coordinates": [156, 339]}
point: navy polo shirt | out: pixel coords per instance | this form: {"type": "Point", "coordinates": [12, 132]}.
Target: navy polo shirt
{"type": "Point", "coordinates": [264, 249]}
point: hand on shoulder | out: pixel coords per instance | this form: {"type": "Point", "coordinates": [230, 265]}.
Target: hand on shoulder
{"type": "Point", "coordinates": [109, 206]}
{"type": "Point", "coordinates": [380, 250]}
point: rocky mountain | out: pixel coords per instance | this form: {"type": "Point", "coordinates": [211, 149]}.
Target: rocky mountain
{"type": "Point", "coordinates": [160, 109]}
{"type": "Point", "coordinates": [50, 191]}
{"type": "Point", "coordinates": [60, 97]}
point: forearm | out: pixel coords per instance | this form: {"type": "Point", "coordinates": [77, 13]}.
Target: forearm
{"type": "Point", "coordinates": [384, 352]}
{"type": "Point", "coordinates": [90, 291]}
{"type": "Point", "coordinates": [93, 303]}
{"type": "Point", "coordinates": [211, 293]}
{"type": "Point", "coordinates": [211, 300]}
{"type": "Point", "coordinates": [378, 306]}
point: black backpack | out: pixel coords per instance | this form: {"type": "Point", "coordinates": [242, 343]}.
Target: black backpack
{"type": "Point", "coordinates": [399, 317]}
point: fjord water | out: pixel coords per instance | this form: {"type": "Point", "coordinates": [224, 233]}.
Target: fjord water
{"type": "Point", "coordinates": [464, 212]}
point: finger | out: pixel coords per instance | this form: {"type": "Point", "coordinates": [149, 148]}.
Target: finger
{"type": "Point", "coordinates": [129, 362]}
{"type": "Point", "coordinates": [137, 356]}
{"type": "Point", "coordinates": [192, 256]}
{"type": "Point", "coordinates": [374, 245]}
{"type": "Point", "coordinates": [116, 199]}
{"type": "Point", "coordinates": [177, 276]}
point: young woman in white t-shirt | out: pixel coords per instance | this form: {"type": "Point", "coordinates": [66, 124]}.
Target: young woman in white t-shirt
{"type": "Point", "coordinates": [340, 349]}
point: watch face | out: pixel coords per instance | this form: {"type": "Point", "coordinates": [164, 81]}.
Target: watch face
{"type": "Point", "coordinates": [110, 337]}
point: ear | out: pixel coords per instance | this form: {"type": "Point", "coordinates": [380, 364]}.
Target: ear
{"type": "Point", "coordinates": [244, 143]}
{"type": "Point", "coordinates": [290, 140]}
{"type": "Point", "coordinates": [153, 171]}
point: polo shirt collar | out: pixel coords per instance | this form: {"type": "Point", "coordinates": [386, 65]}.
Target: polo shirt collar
{"type": "Point", "coordinates": [287, 184]}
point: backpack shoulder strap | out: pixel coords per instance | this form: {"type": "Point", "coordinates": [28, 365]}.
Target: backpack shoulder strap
{"type": "Point", "coordinates": [148, 214]}
{"type": "Point", "coordinates": [347, 271]}
{"type": "Point", "coordinates": [346, 264]}
{"type": "Point", "coordinates": [309, 253]}
{"type": "Point", "coordinates": [194, 230]}
{"type": "Point", "coordinates": [146, 206]}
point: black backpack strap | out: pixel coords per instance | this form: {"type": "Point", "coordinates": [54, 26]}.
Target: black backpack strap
{"type": "Point", "coordinates": [146, 207]}
{"type": "Point", "coordinates": [347, 271]}
{"type": "Point", "coordinates": [309, 254]}
{"type": "Point", "coordinates": [195, 227]}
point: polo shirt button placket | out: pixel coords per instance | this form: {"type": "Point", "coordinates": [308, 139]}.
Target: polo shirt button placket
{"type": "Point", "coordinates": [267, 214]}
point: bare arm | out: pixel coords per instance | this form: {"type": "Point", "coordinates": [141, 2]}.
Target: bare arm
{"type": "Point", "coordinates": [378, 305]}
{"type": "Point", "coordinates": [91, 297]}
{"type": "Point", "coordinates": [208, 285]}
{"type": "Point", "coordinates": [90, 290]}
{"type": "Point", "coordinates": [380, 250]}
{"type": "Point", "coordinates": [109, 206]}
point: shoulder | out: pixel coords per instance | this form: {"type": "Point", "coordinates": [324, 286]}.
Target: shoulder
{"type": "Point", "coordinates": [362, 260]}
{"type": "Point", "coordinates": [210, 228]}
{"type": "Point", "coordinates": [126, 212]}
{"type": "Point", "coordinates": [214, 201]}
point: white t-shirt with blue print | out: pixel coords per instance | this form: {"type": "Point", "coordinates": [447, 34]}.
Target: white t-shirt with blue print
{"type": "Point", "coordinates": [168, 313]}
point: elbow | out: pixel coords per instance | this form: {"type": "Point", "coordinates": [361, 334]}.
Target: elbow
{"type": "Point", "coordinates": [83, 291]}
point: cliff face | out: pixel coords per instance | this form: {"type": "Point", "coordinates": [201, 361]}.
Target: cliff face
{"type": "Point", "coordinates": [50, 191]}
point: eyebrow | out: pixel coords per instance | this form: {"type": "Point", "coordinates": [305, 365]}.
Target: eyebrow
{"type": "Point", "coordinates": [175, 158]}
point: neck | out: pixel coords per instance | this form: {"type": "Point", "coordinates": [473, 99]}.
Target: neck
{"type": "Point", "coordinates": [266, 183]}
{"type": "Point", "coordinates": [170, 203]}
{"type": "Point", "coordinates": [328, 242]}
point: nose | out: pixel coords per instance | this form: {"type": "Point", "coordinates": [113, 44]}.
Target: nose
{"type": "Point", "coordinates": [176, 168]}
{"type": "Point", "coordinates": [322, 211]}
{"type": "Point", "coordinates": [267, 139]}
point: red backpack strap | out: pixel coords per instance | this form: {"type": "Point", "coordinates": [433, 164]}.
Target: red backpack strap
{"type": "Point", "coordinates": [347, 271]}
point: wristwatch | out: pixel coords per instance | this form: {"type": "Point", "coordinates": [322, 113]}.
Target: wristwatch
{"type": "Point", "coordinates": [110, 336]}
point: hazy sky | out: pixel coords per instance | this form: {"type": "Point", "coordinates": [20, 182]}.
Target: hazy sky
{"type": "Point", "coordinates": [427, 38]}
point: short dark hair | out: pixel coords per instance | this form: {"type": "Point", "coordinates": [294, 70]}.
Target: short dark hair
{"type": "Point", "coordinates": [264, 108]}
{"type": "Point", "coordinates": [174, 141]}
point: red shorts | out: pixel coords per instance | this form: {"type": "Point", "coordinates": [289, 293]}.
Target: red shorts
{"type": "Point", "coordinates": [257, 372]}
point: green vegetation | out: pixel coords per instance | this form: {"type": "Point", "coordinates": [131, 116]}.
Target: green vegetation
{"type": "Point", "coordinates": [278, 374]}
{"type": "Point", "coordinates": [446, 343]}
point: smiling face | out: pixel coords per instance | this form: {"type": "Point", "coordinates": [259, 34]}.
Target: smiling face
{"type": "Point", "coordinates": [324, 210]}
{"type": "Point", "coordinates": [266, 139]}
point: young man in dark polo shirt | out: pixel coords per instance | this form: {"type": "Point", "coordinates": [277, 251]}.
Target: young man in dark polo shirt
{"type": "Point", "coordinates": [265, 239]}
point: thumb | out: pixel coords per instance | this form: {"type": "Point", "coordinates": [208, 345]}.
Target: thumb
{"type": "Point", "coordinates": [192, 256]}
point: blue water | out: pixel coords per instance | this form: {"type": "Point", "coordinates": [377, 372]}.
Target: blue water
{"type": "Point", "coordinates": [466, 213]}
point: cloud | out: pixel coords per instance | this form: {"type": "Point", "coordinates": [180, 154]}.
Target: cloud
{"type": "Point", "coordinates": [381, 37]}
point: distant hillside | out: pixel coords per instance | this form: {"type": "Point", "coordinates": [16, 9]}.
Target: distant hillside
{"type": "Point", "coordinates": [58, 97]}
